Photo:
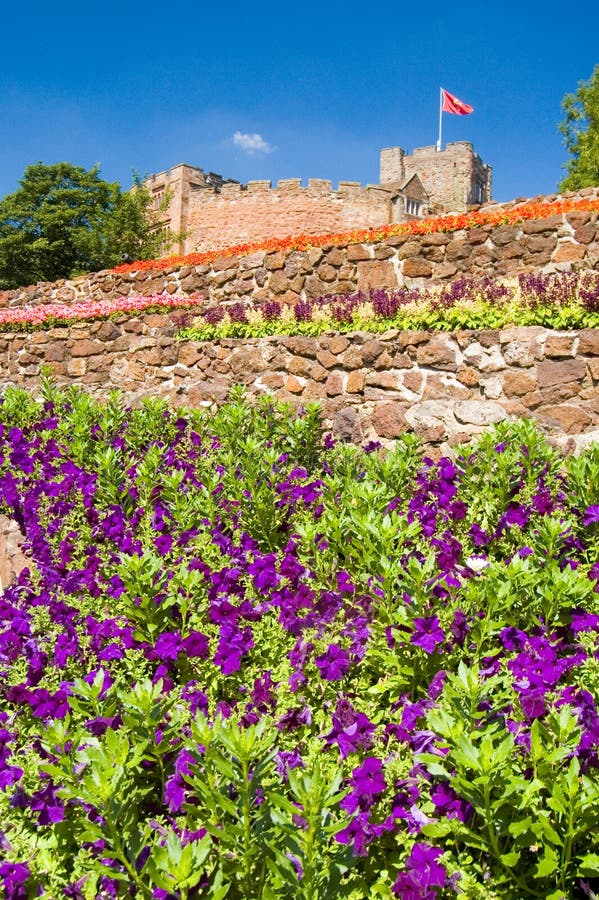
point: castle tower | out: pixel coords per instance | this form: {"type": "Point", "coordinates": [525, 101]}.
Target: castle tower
{"type": "Point", "coordinates": [453, 178]}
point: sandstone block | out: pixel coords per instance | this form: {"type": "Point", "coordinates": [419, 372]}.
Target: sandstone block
{"type": "Point", "coordinates": [479, 412]}
{"type": "Point", "coordinates": [389, 421]}
{"type": "Point", "coordinates": [243, 361]}
{"type": "Point", "coordinates": [357, 252]}
{"type": "Point", "coordinates": [293, 385]}
{"type": "Point", "coordinates": [86, 348]}
{"type": "Point", "coordinates": [355, 382]}
{"type": "Point", "coordinates": [299, 365]}
{"type": "Point", "coordinates": [334, 384]}
{"type": "Point", "coordinates": [376, 273]}
{"type": "Point", "coordinates": [77, 366]}
{"type": "Point", "coordinates": [516, 383]}
{"type": "Point", "coordinates": [589, 342]}
{"type": "Point", "coordinates": [318, 372]}
{"type": "Point", "coordinates": [353, 359]}
{"type": "Point", "coordinates": [538, 226]}
{"type": "Point", "coordinates": [326, 272]}
{"type": "Point", "coordinates": [273, 380]}
{"type": "Point", "coordinates": [201, 392]}
{"type": "Point", "coordinates": [54, 352]}
{"type": "Point", "coordinates": [302, 346]}
{"type": "Point", "coordinates": [12, 557]}
{"type": "Point", "coordinates": [550, 372]}
{"type": "Point", "coordinates": [273, 261]}
{"type": "Point", "coordinates": [585, 234]}
{"type": "Point", "coordinates": [416, 267]}
{"type": "Point", "coordinates": [382, 380]}
{"type": "Point", "coordinates": [326, 359]}
{"type": "Point", "coordinates": [445, 270]}
{"type": "Point", "coordinates": [431, 434]}
{"type": "Point", "coordinates": [568, 251]}
{"type": "Point", "coordinates": [371, 350]}
{"type": "Point", "coordinates": [565, 417]}
{"type": "Point", "coordinates": [347, 425]}
{"type": "Point", "coordinates": [278, 282]}
{"type": "Point", "coordinates": [561, 345]}
{"type": "Point", "coordinates": [438, 353]}
{"type": "Point", "coordinates": [314, 391]}
{"type": "Point", "coordinates": [410, 249]}
{"type": "Point", "coordinates": [335, 257]}
{"type": "Point", "coordinates": [429, 412]}
{"type": "Point", "coordinates": [338, 344]}
{"type": "Point", "coordinates": [468, 376]}
{"type": "Point", "coordinates": [413, 380]}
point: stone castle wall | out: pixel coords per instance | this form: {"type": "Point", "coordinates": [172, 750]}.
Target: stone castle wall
{"type": "Point", "coordinates": [444, 387]}
{"type": "Point", "coordinates": [556, 243]}
{"type": "Point", "coordinates": [258, 211]}
{"type": "Point", "coordinates": [212, 211]}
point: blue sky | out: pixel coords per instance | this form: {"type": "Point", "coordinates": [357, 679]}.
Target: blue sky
{"type": "Point", "coordinates": [310, 89]}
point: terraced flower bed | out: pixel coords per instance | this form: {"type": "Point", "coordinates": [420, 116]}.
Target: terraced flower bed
{"type": "Point", "coordinates": [248, 662]}
{"type": "Point", "coordinates": [492, 217]}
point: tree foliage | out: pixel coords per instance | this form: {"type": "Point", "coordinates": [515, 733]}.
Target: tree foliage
{"type": "Point", "coordinates": [64, 220]}
{"type": "Point", "coordinates": [580, 128]}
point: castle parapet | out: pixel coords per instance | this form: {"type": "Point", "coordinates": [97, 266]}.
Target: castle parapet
{"type": "Point", "coordinates": [254, 186]}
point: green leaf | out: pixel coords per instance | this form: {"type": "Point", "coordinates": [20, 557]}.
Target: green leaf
{"type": "Point", "coordinates": [589, 865]}
{"type": "Point", "coordinates": [547, 864]}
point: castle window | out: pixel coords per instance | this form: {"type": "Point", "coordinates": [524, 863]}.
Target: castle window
{"type": "Point", "coordinates": [157, 198]}
{"type": "Point", "coordinates": [412, 206]}
{"type": "Point", "coordinates": [479, 192]}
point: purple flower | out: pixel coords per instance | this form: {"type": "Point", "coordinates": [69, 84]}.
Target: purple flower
{"type": "Point", "coordinates": [422, 876]}
{"type": "Point", "coordinates": [333, 664]}
{"type": "Point", "coordinates": [427, 633]}
{"type": "Point", "coordinates": [591, 515]}
{"type": "Point", "coordinates": [14, 876]}
{"type": "Point", "coordinates": [450, 804]}
{"type": "Point", "coordinates": [351, 730]}
{"type": "Point", "coordinates": [367, 781]}
{"type": "Point", "coordinates": [163, 544]}
{"type": "Point", "coordinates": [196, 645]}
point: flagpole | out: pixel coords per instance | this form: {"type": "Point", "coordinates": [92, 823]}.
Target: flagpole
{"type": "Point", "coordinates": [440, 118]}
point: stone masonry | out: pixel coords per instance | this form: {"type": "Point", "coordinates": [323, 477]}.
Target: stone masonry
{"type": "Point", "coordinates": [555, 243]}
{"type": "Point", "coordinates": [444, 387]}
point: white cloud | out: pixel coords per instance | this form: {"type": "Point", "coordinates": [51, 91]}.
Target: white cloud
{"type": "Point", "coordinates": [252, 143]}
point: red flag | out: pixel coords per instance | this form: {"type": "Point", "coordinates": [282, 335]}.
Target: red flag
{"type": "Point", "coordinates": [451, 104]}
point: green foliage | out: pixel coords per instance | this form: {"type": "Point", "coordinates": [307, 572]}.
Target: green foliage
{"type": "Point", "coordinates": [64, 220]}
{"type": "Point", "coordinates": [474, 315]}
{"type": "Point", "coordinates": [580, 129]}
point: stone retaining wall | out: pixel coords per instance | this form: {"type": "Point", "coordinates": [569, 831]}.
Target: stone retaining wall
{"type": "Point", "coordinates": [445, 387]}
{"type": "Point", "coordinates": [558, 242]}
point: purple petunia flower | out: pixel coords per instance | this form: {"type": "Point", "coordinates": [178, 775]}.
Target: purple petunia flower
{"type": "Point", "coordinates": [13, 877]}
{"type": "Point", "coordinates": [427, 633]}
{"type": "Point", "coordinates": [333, 664]}
{"type": "Point", "coordinates": [591, 515]}
{"type": "Point", "coordinates": [422, 876]}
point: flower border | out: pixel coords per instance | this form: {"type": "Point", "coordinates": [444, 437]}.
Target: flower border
{"type": "Point", "coordinates": [439, 224]}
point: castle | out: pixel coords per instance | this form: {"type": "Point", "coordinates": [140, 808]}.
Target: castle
{"type": "Point", "coordinates": [215, 212]}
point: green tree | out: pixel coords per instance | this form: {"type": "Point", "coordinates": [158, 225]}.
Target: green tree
{"type": "Point", "coordinates": [581, 134]}
{"type": "Point", "coordinates": [64, 220]}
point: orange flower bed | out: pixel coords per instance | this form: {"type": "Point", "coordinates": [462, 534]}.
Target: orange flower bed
{"type": "Point", "coordinates": [477, 219]}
